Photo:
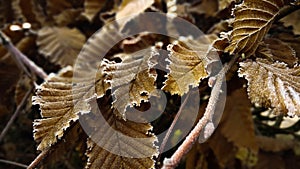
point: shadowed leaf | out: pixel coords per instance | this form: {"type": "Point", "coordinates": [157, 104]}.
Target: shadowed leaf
{"type": "Point", "coordinates": [60, 45]}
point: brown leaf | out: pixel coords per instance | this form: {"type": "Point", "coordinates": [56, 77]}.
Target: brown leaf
{"type": "Point", "coordinates": [55, 7]}
{"type": "Point", "coordinates": [6, 12]}
{"type": "Point", "coordinates": [270, 144]}
{"type": "Point", "coordinates": [207, 7]}
{"type": "Point", "coordinates": [188, 62]}
{"type": "Point", "coordinates": [293, 41]}
{"type": "Point", "coordinates": [252, 21]}
{"type": "Point", "coordinates": [132, 80]}
{"type": "Point", "coordinates": [276, 50]}
{"type": "Point", "coordinates": [60, 45]}
{"type": "Point", "coordinates": [59, 106]}
{"type": "Point", "coordinates": [273, 85]}
{"type": "Point", "coordinates": [292, 20]}
{"type": "Point", "coordinates": [237, 121]}
{"type": "Point", "coordinates": [269, 161]}
{"type": "Point", "coordinates": [92, 7]}
{"type": "Point", "coordinates": [131, 8]}
{"type": "Point", "coordinates": [67, 16]}
{"type": "Point", "coordinates": [128, 144]}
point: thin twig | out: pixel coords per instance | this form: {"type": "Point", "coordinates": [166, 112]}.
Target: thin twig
{"type": "Point", "coordinates": [38, 159]}
{"type": "Point", "coordinates": [15, 115]}
{"type": "Point", "coordinates": [166, 138]}
{"type": "Point", "coordinates": [170, 163]}
{"type": "Point", "coordinates": [13, 163]}
{"type": "Point", "coordinates": [19, 56]}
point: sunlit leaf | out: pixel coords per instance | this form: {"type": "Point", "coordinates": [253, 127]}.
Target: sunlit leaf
{"type": "Point", "coordinates": [59, 107]}
{"type": "Point", "coordinates": [252, 21]}
{"type": "Point", "coordinates": [188, 62]}
{"type": "Point", "coordinates": [273, 85]}
{"type": "Point", "coordinates": [128, 144]}
{"type": "Point", "coordinates": [132, 80]}
{"type": "Point", "coordinates": [60, 45]}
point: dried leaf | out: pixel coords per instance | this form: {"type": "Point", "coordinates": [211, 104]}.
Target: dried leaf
{"type": "Point", "coordinates": [276, 50]}
{"type": "Point", "coordinates": [188, 62]}
{"type": "Point", "coordinates": [59, 107]}
{"type": "Point", "coordinates": [55, 7]}
{"type": "Point", "coordinates": [292, 20]}
{"type": "Point", "coordinates": [60, 45]}
{"type": "Point", "coordinates": [274, 144]}
{"type": "Point", "coordinates": [128, 144]}
{"type": "Point", "coordinates": [92, 7]}
{"type": "Point", "coordinates": [293, 41]}
{"type": "Point", "coordinates": [206, 7]}
{"type": "Point", "coordinates": [273, 85]}
{"type": "Point", "coordinates": [131, 8]}
{"type": "Point", "coordinates": [223, 4]}
{"type": "Point", "coordinates": [239, 117]}
{"type": "Point", "coordinates": [67, 16]}
{"type": "Point", "coordinates": [252, 21]}
{"type": "Point", "coordinates": [132, 80]}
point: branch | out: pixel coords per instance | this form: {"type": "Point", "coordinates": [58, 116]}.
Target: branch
{"type": "Point", "coordinates": [20, 58]}
{"type": "Point", "coordinates": [13, 163]}
{"type": "Point", "coordinates": [38, 159]}
{"type": "Point", "coordinates": [15, 115]}
{"type": "Point", "coordinates": [204, 123]}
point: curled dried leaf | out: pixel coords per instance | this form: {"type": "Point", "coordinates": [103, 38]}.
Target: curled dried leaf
{"type": "Point", "coordinates": [188, 63]}
{"type": "Point", "coordinates": [273, 85]}
{"type": "Point", "coordinates": [275, 49]}
{"type": "Point", "coordinates": [132, 80]}
{"type": "Point", "coordinates": [252, 21]}
{"type": "Point", "coordinates": [60, 45]}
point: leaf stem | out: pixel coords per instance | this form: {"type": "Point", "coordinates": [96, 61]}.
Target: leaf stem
{"type": "Point", "coordinates": [170, 163]}
{"type": "Point", "coordinates": [20, 58]}
{"type": "Point", "coordinates": [13, 163]}
{"type": "Point", "coordinates": [15, 115]}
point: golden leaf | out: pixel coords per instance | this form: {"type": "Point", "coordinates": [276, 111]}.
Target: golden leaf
{"type": "Point", "coordinates": [132, 80]}
{"type": "Point", "coordinates": [60, 45]}
{"type": "Point", "coordinates": [92, 7]}
{"type": "Point", "coordinates": [59, 106]}
{"type": "Point", "coordinates": [188, 62]}
{"type": "Point", "coordinates": [276, 50]}
{"type": "Point", "coordinates": [292, 20]}
{"type": "Point", "coordinates": [273, 85]}
{"type": "Point", "coordinates": [252, 21]}
{"type": "Point", "coordinates": [131, 8]}
{"type": "Point", "coordinates": [128, 144]}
